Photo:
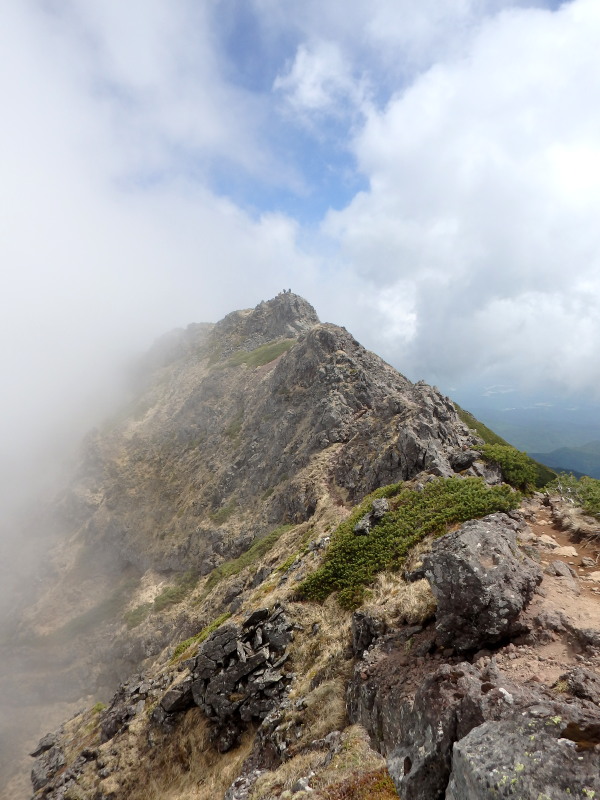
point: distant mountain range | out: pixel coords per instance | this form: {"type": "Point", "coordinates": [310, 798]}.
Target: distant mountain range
{"type": "Point", "coordinates": [584, 460]}
{"type": "Point", "coordinates": [540, 429]}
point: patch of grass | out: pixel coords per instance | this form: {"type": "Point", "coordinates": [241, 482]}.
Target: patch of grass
{"type": "Point", "coordinates": [98, 708]}
{"type": "Point", "coordinates": [288, 562]}
{"type": "Point", "coordinates": [352, 562]}
{"type": "Point", "coordinates": [223, 514]}
{"type": "Point", "coordinates": [256, 551]}
{"type": "Point", "coordinates": [517, 468]}
{"type": "Point", "coordinates": [260, 355]}
{"type": "Point", "coordinates": [394, 600]}
{"type": "Point", "coordinates": [376, 785]}
{"type": "Point", "coordinates": [584, 491]}
{"type": "Point", "coordinates": [176, 593]}
{"type": "Point", "coordinates": [182, 647]}
{"type": "Point", "coordinates": [233, 430]}
{"type": "Point", "coordinates": [137, 615]}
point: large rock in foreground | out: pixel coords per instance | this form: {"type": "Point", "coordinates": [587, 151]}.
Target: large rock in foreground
{"type": "Point", "coordinates": [481, 581]}
{"type": "Point", "coordinates": [525, 757]}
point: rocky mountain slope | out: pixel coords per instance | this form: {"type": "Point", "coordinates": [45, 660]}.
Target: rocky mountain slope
{"type": "Point", "coordinates": [199, 531]}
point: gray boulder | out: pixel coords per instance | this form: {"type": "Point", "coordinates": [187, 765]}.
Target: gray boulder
{"type": "Point", "coordinates": [481, 581]}
{"type": "Point", "coordinates": [47, 766]}
{"type": "Point", "coordinates": [379, 509]}
{"type": "Point", "coordinates": [583, 683]}
{"type": "Point", "coordinates": [523, 757]}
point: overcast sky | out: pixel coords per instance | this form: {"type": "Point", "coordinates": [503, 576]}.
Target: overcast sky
{"type": "Point", "coordinates": [426, 174]}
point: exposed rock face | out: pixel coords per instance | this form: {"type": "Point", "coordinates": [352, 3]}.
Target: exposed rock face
{"type": "Point", "coordinates": [216, 452]}
{"type": "Point", "coordinates": [481, 581]}
{"type": "Point", "coordinates": [523, 757]}
{"type": "Point", "coordinates": [49, 761]}
{"type": "Point", "coordinates": [467, 732]}
{"type": "Point", "coordinates": [238, 675]}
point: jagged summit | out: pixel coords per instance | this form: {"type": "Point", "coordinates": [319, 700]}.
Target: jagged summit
{"type": "Point", "coordinates": [286, 314]}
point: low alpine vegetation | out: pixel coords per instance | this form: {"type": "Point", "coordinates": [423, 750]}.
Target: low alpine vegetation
{"type": "Point", "coordinates": [175, 594]}
{"type": "Point", "coordinates": [352, 561]}
{"type": "Point", "coordinates": [584, 492]}
{"type": "Point", "coordinates": [517, 468]}
{"type": "Point", "coordinates": [375, 785]}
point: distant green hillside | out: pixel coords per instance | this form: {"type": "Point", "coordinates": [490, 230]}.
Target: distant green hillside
{"type": "Point", "coordinates": [543, 474]}
{"type": "Point", "coordinates": [583, 460]}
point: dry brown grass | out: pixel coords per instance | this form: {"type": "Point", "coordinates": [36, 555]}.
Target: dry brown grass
{"type": "Point", "coordinates": [397, 602]}
{"type": "Point", "coordinates": [320, 656]}
{"type": "Point", "coordinates": [271, 784]}
{"type": "Point", "coordinates": [184, 764]}
{"type": "Point", "coordinates": [354, 756]}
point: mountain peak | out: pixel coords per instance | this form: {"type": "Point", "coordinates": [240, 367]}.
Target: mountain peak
{"type": "Point", "coordinates": [286, 315]}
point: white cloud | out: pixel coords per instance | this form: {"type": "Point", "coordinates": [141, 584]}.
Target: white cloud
{"type": "Point", "coordinates": [483, 190]}
{"type": "Point", "coordinates": [320, 80]}
{"type": "Point", "coordinates": [392, 39]}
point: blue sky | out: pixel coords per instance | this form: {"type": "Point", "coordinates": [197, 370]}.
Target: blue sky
{"type": "Point", "coordinates": [427, 175]}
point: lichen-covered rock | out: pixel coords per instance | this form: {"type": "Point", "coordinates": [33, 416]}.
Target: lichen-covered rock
{"type": "Point", "coordinates": [523, 757]}
{"type": "Point", "coordinates": [448, 704]}
{"type": "Point", "coordinates": [481, 582]}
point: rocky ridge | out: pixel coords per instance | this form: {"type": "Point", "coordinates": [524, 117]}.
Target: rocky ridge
{"type": "Point", "coordinates": [248, 445]}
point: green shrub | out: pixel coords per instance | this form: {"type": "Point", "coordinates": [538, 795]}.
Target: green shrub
{"type": "Point", "coordinates": [584, 491]}
{"type": "Point", "coordinates": [256, 550]}
{"type": "Point", "coordinates": [199, 637]}
{"type": "Point", "coordinates": [352, 562]}
{"type": "Point", "coordinates": [517, 468]}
